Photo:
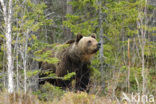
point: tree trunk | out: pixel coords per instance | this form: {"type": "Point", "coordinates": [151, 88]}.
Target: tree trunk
{"type": "Point", "coordinates": [8, 26]}
{"type": "Point", "coordinates": [143, 21]}
{"type": "Point", "coordinates": [9, 49]}
{"type": "Point", "coordinates": [101, 41]}
{"type": "Point", "coordinates": [143, 50]}
{"type": "Point", "coordinates": [129, 64]}
{"type": "Point", "coordinates": [69, 10]}
{"type": "Point", "coordinates": [25, 45]}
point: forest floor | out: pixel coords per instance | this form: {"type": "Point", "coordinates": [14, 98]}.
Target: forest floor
{"type": "Point", "coordinates": [67, 98]}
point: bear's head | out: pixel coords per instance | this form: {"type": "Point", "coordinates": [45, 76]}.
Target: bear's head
{"type": "Point", "coordinates": [88, 46]}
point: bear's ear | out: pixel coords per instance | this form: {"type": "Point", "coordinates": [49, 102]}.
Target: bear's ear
{"type": "Point", "coordinates": [70, 42]}
{"type": "Point", "coordinates": [79, 36]}
{"type": "Point", "coordinates": [93, 35]}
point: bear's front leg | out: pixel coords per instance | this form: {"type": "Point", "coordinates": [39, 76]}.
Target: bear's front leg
{"type": "Point", "coordinates": [82, 78]}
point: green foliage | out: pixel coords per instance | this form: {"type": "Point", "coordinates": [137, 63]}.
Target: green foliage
{"type": "Point", "coordinates": [45, 52]}
{"type": "Point", "coordinates": [82, 21]}
{"type": "Point", "coordinates": [29, 18]}
{"type": "Point", "coordinates": [47, 57]}
{"type": "Point", "coordinates": [84, 27]}
{"type": "Point", "coordinates": [135, 77]}
{"type": "Point", "coordinates": [31, 73]}
{"type": "Point", "coordinates": [120, 23]}
{"type": "Point", "coordinates": [95, 73]}
{"type": "Point", "coordinates": [69, 75]}
{"type": "Point", "coordinates": [120, 19]}
{"type": "Point", "coordinates": [49, 92]}
{"type": "Point", "coordinates": [48, 74]}
{"type": "Point", "coordinates": [121, 16]}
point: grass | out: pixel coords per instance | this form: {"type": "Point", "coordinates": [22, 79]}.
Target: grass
{"type": "Point", "coordinates": [66, 98]}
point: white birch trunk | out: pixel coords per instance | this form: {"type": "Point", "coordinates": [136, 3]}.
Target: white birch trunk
{"type": "Point", "coordinates": [9, 49]}
{"type": "Point", "coordinates": [23, 52]}
{"type": "Point", "coordinates": [7, 19]}
{"type": "Point", "coordinates": [142, 41]}
{"type": "Point", "coordinates": [25, 61]}
{"type": "Point", "coordinates": [16, 51]}
{"type": "Point", "coordinates": [129, 64]}
{"type": "Point", "coordinates": [25, 75]}
{"type": "Point", "coordinates": [17, 73]}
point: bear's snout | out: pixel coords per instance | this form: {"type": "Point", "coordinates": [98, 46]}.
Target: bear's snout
{"type": "Point", "coordinates": [98, 45]}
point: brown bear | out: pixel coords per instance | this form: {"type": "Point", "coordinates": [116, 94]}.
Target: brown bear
{"type": "Point", "coordinates": [75, 58]}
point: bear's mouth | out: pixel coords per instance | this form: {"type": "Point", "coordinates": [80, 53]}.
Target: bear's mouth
{"type": "Point", "coordinates": [95, 50]}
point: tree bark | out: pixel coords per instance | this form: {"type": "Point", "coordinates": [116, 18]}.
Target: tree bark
{"type": "Point", "coordinates": [69, 7]}
{"type": "Point", "coordinates": [143, 20]}
{"type": "Point", "coordinates": [101, 41]}
{"type": "Point", "coordinates": [129, 64]}
{"type": "Point", "coordinates": [25, 61]}
{"type": "Point", "coordinates": [7, 18]}
{"type": "Point", "coordinates": [143, 50]}
{"type": "Point", "coordinates": [69, 10]}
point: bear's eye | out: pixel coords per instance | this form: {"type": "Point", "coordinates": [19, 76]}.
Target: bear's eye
{"type": "Point", "coordinates": [89, 42]}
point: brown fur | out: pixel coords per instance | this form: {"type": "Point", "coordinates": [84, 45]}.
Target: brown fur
{"type": "Point", "coordinates": [70, 42]}
{"type": "Point", "coordinates": [76, 58]}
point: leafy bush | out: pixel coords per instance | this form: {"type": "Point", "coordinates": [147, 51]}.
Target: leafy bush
{"type": "Point", "coordinates": [49, 92]}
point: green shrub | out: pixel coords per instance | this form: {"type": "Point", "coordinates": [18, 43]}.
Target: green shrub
{"type": "Point", "coordinates": [48, 92]}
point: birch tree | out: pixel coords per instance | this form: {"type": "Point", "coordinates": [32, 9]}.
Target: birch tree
{"type": "Point", "coordinates": [142, 22]}
{"type": "Point", "coordinates": [7, 15]}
